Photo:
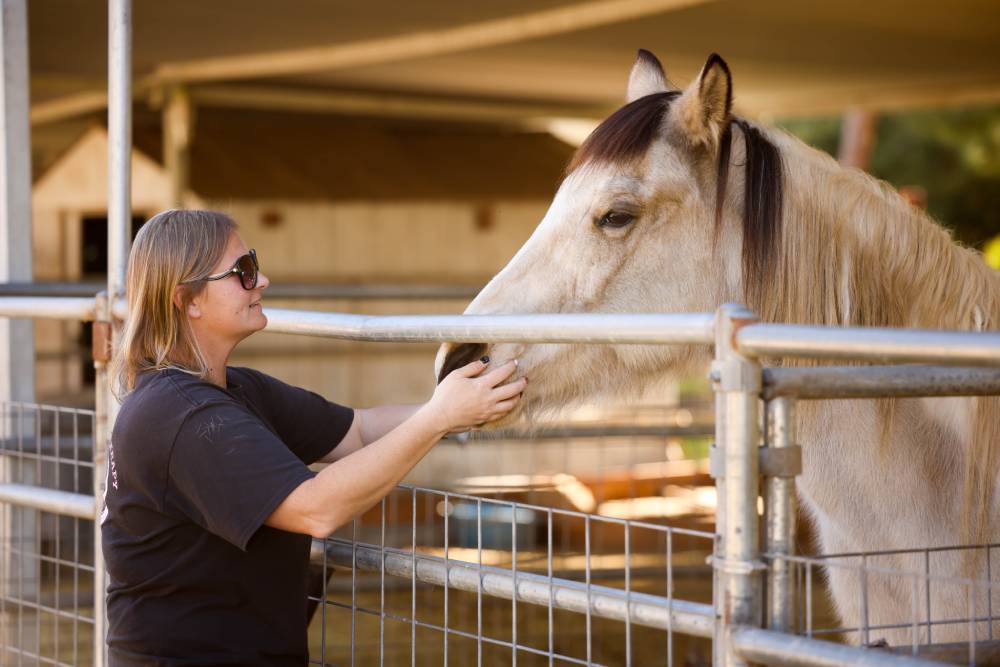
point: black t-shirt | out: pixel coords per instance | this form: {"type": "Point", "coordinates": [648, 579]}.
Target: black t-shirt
{"type": "Point", "coordinates": [195, 578]}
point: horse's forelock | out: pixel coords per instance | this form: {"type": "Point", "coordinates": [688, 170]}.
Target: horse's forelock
{"type": "Point", "coordinates": [626, 134]}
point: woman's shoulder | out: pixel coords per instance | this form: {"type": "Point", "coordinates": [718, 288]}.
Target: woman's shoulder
{"type": "Point", "coordinates": [166, 396]}
{"type": "Point", "coordinates": [173, 384]}
{"type": "Point", "coordinates": [256, 382]}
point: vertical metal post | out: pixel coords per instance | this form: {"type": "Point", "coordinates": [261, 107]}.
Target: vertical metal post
{"type": "Point", "coordinates": [178, 127]}
{"type": "Point", "coordinates": [17, 343]}
{"type": "Point", "coordinates": [718, 471]}
{"type": "Point", "coordinates": [737, 381]}
{"type": "Point", "coordinates": [102, 436]}
{"type": "Point", "coordinates": [119, 227]}
{"type": "Point", "coordinates": [17, 338]}
{"type": "Point", "coordinates": [779, 513]}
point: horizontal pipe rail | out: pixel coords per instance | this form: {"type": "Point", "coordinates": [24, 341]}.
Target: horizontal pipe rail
{"type": "Point", "coordinates": [690, 618]}
{"type": "Point", "coordinates": [633, 328]}
{"type": "Point", "coordinates": [78, 505]}
{"type": "Point", "coordinates": [569, 431]}
{"type": "Point", "coordinates": [780, 649]}
{"type": "Point", "coordinates": [49, 307]}
{"type": "Point", "coordinates": [886, 345]}
{"type": "Point", "coordinates": [878, 381]}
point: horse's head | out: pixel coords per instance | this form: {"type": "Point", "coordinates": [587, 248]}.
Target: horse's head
{"type": "Point", "coordinates": [638, 225]}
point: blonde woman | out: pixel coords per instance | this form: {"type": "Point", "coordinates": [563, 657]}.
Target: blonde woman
{"type": "Point", "coordinates": [210, 507]}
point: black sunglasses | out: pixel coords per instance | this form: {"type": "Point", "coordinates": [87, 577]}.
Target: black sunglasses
{"type": "Point", "coordinates": [246, 267]}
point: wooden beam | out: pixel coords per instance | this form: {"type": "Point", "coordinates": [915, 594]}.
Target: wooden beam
{"type": "Point", "coordinates": [301, 99]}
{"type": "Point", "coordinates": [178, 131]}
{"type": "Point", "coordinates": [70, 106]}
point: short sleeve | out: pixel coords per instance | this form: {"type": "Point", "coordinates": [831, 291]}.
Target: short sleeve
{"type": "Point", "coordinates": [307, 423]}
{"type": "Point", "coordinates": [228, 472]}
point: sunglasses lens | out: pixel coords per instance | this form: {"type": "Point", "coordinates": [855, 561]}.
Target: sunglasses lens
{"type": "Point", "coordinates": [248, 271]}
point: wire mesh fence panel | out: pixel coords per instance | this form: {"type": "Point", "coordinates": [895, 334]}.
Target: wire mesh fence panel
{"type": "Point", "coordinates": [46, 559]}
{"type": "Point", "coordinates": [906, 601]}
{"type": "Point", "coordinates": [526, 584]}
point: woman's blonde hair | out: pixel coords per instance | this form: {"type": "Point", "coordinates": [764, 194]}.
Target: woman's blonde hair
{"type": "Point", "coordinates": [170, 251]}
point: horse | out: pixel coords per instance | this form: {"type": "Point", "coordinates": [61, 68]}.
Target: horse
{"type": "Point", "coordinates": [675, 204]}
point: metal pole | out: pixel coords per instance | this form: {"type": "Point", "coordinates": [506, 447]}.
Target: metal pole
{"type": "Point", "coordinates": [102, 435]}
{"type": "Point", "coordinates": [782, 650]}
{"type": "Point", "coordinates": [17, 342]}
{"type": "Point", "coordinates": [119, 227]}
{"type": "Point", "coordinates": [779, 513]}
{"type": "Point", "coordinates": [961, 348]}
{"type": "Point", "coordinates": [717, 468]}
{"type": "Point", "coordinates": [839, 382]}
{"type": "Point", "coordinates": [737, 380]}
{"type": "Point", "coordinates": [17, 338]}
{"type": "Point", "coordinates": [119, 142]}
{"type": "Point", "coordinates": [620, 328]}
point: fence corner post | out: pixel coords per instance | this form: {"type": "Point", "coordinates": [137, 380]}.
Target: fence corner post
{"type": "Point", "coordinates": [737, 383]}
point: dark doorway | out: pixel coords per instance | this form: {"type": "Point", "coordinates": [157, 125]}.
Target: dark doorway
{"type": "Point", "coordinates": [94, 246]}
{"type": "Point", "coordinates": [94, 267]}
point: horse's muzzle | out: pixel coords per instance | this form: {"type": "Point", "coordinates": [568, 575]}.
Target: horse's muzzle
{"type": "Point", "coordinates": [460, 355]}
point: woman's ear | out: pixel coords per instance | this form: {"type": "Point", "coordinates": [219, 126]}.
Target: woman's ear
{"type": "Point", "coordinates": [192, 308]}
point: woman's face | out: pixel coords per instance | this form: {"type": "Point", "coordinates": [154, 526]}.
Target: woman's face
{"type": "Point", "coordinates": [224, 312]}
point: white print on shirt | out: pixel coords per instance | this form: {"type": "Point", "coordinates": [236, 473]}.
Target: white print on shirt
{"type": "Point", "coordinates": [211, 428]}
{"type": "Point", "coordinates": [112, 480]}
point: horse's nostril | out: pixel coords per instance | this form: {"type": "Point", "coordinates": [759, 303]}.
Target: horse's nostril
{"type": "Point", "coordinates": [459, 356]}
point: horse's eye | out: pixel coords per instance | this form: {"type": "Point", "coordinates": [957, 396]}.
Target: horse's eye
{"type": "Point", "coordinates": [615, 219]}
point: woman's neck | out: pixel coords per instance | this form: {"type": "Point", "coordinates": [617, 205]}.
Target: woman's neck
{"type": "Point", "coordinates": [215, 354]}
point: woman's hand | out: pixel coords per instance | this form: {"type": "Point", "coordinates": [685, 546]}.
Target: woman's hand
{"type": "Point", "coordinates": [466, 399]}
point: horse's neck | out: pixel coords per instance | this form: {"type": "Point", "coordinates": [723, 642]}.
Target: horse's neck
{"type": "Point", "coordinates": [854, 253]}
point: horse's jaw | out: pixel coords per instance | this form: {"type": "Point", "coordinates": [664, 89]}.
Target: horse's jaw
{"type": "Point", "coordinates": [561, 376]}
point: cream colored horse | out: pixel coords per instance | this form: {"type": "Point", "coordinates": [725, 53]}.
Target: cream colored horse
{"type": "Point", "coordinates": [675, 205]}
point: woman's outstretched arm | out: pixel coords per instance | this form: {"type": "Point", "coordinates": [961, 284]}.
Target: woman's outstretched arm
{"type": "Point", "coordinates": [351, 485]}
{"type": "Point", "coordinates": [369, 425]}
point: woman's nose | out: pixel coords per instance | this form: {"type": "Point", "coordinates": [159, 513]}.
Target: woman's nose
{"type": "Point", "coordinates": [262, 280]}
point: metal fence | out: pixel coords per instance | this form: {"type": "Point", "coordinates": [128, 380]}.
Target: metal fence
{"type": "Point", "coordinates": [47, 592]}
{"type": "Point", "coordinates": [432, 575]}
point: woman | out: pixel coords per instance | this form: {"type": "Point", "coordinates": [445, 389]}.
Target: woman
{"type": "Point", "coordinates": [209, 507]}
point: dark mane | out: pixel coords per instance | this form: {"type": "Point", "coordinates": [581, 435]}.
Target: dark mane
{"type": "Point", "coordinates": [627, 134]}
{"type": "Point", "coordinates": [763, 190]}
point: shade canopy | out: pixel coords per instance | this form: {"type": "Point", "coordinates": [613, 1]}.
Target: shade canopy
{"type": "Point", "coordinates": [522, 58]}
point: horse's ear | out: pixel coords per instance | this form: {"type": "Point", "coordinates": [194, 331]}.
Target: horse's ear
{"type": "Point", "coordinates": [646, 78]}
{"type": "Point", "coordinates": [703, 109]}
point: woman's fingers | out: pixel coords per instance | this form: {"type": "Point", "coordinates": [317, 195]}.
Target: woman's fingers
{"type": "Point", "coordinates": [501, 373]}
{"type": "Point", "coordinates": [508, 390]}
{"type": "Point", "coordinates": [503, 407]}
{"type": "Point", "coordinates": [471, 369]}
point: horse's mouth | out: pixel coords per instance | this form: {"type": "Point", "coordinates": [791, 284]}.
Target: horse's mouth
{"type": "Point", "coordinates": [460, 355]}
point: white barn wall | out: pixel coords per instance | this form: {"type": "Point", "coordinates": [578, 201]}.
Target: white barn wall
{"type": "Point", "coordinates": [384, 242]}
